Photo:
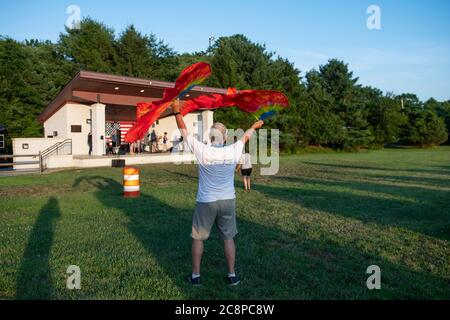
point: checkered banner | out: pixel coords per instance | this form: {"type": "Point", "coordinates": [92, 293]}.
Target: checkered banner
{"type": "Point", "coordinates": [111, 128]}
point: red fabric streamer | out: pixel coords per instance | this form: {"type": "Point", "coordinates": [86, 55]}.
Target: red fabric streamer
{"type": "Point", "coordinates": [142, 108]}
{"type": "Point", "coordinates": [247, 100]}
{"type": "Point", "coordinates": [147, 113]}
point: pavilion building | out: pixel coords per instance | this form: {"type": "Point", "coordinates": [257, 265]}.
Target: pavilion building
{"type": "Point", "coordinates": [101, 105]}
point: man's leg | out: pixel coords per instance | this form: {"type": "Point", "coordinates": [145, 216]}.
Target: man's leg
{"type": "Point", "coordinates": [197, 253]}
{"type": "Point", "coordinates": [226, 223]}
{"type": "Point", "coordinates": [230, 254]}
{"type": "Point", "coordinates": [248, 183]}
{"type": "Point", "coordinates": [202, 221]}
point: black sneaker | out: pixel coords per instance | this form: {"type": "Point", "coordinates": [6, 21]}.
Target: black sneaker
{"type": "Point", "coordinates": [194, 281]}
{"type": "Point", "coordinates": [233, 281]}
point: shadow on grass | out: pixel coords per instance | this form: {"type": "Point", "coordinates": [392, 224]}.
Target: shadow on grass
{"type": "Point", "coordinates": [304, 268]}
{"type": "Point", "coordinates": [425, 213]}
{"type": "Point", "coordinates": [34, 280]}
{"type": "Point", "coordinates": [423, 181]}
{"type": "Point", "coordinates": [443, 170]}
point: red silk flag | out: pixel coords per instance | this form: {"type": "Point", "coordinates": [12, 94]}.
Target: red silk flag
{"type": "Point", "coordinates": [142, 108]}
{"type": "Point", "coordinates": [148, 113]}
{"type": "Point", "coordinates": [261, 103]}
{"type": "Point", "coordinates": [212, 101]}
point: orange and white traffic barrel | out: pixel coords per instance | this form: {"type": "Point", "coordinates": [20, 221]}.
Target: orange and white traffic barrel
{"type": "Point", "coordinates": [131, 182]}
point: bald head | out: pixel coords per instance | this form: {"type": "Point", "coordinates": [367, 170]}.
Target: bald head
{"type": "Point", "coordinates": [218, 133]}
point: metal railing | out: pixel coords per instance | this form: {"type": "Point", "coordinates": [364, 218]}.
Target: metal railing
{"type": "Point", "coordinates": [53, 149]}
{"type": "Point", "coordinates": [13, 164]}
{"type": "Point", "coordinates": [40, 161]}
{"type": "Point", "coordinates": [10, 156]}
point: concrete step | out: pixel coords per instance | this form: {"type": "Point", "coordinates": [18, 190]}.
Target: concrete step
{"type": "Point", "coordinates": [11, 172]}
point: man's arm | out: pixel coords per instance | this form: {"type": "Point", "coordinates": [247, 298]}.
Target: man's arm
{"type": "Point", "coordinates": [248, 134]}
{"type": "Point", "coordinates": [179, 118]}
{"type": "Point", "coordinates": [194, 145]}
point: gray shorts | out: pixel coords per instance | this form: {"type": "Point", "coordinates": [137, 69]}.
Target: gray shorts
{"type": "Point", "coordinates": [220, 212]}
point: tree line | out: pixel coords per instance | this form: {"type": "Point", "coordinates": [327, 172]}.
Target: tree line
{"type": "Point", "coordinates": [328, 106]}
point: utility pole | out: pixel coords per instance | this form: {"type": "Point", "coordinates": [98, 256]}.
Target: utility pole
{"type": "Point", "coordinates": [211, 41]}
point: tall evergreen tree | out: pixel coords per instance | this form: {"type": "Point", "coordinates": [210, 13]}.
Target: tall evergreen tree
{"type": "Point", "coordinates": [319, 124]}
{"type": "Point", "coordinates": [144, 56]}
{"type": "Point", "coordinates": [91, 47]}
{"type": "Point", "coordinates": [242, 63]}
{"type": "Point", "coordinates": [338, 81]}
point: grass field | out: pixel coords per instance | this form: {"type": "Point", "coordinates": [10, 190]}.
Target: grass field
{"type": "Point", "coordinates": [310, 232]}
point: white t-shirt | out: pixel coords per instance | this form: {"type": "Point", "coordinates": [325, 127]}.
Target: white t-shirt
{"type": "Point", "coordinates": [216, 166]}
{"type": "Point", "coordinates": [246, 161]}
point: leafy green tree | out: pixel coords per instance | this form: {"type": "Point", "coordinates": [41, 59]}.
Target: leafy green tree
{"type": "Point", "coordinates": [50, 70]}
{"type": "Point", "coordinates": [240, 63]}
{"type": "Point", "coordinates": [385, 116]}
{"type": "Point", "coordinates": [186, 59]}
{"type": "Point", "coordinates": [442, 109]}
{"type": "Point", "coordinates": [425, 129]}
{"type": "Point", "coordinates": [410, 102]}
{"type": "Point", "coordinates": [31, 74]}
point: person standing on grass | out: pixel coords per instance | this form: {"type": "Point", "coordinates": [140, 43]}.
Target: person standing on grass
{"type": "Point", "coordinates": [245, 164]}
{"type": "Point", "coordinates": [216, 199]}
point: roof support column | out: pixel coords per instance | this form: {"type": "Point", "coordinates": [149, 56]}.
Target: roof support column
{"type": "Point", "coordinates": [208, 121]}
{"type": "Point", "coordinates": [98, 129]}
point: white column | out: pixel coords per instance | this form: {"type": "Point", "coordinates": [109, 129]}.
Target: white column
{"type": "Point", "coordinates": [98, 129]}
{"type": "Point", "coordinates": [208, 121]}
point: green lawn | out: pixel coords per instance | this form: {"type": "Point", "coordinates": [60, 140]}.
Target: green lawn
{"type": "Point", "coordinates": [309, 232]}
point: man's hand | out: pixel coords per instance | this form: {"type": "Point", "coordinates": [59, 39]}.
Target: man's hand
{"type": "Point", "coordinates": [176, 106]}
{"type": "Point", "coordinates": [247, 135]}
{"type": "Point", "coordinates": [257, 125]}
{"type": "Point", "coordinates": [179, 119]}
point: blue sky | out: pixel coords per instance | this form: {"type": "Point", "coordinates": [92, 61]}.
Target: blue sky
{"type": "Point", "coordinates": [410, 53]}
